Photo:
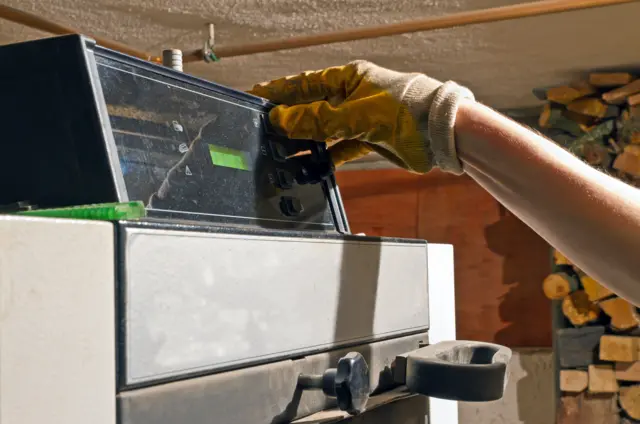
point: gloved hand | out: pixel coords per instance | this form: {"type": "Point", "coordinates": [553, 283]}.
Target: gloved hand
{"type": "Point", "coordinates": [406, 117]}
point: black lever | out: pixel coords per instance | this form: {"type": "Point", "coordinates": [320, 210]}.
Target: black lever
{"type": "Point", "coordinates": [348, 383]}
{"type": "Point", "coordinates": [457, 370]}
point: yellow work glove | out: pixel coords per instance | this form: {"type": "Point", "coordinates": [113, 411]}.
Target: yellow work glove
{"type": "Point", "coordinates": [406, 117]}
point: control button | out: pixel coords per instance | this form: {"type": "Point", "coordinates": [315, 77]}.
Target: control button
{"type": "Point", "coordinates": [284, 179]}
{"type": "Point", "coordinates": [278, 151]}
{"type": "Point", "coordinates": [290, 206]}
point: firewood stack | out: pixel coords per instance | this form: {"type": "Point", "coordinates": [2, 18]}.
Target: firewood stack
{"type": "Point", "coordinates": [598, 349]}
{"type": "Point", "coordinates": [597, 119]}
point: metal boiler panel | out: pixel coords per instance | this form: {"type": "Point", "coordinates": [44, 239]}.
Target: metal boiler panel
{"type": "Point", "coordinates": [196, 302]}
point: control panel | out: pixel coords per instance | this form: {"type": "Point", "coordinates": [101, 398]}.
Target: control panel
{"type": "Point", "coordinates": [128, 130]}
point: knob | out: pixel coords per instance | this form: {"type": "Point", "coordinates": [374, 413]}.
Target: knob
{"type": "Point", "coordinates": [278, 151]}
{"type": "Point", "coordinates": [284, 179]}
{"type": "Point", "coordinates": [290, 206]}
{"type": "Point", "coordinates": [348, 383]}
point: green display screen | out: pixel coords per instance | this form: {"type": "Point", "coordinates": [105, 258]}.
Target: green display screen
{"type": "Point", "coordinates": [230, 158]}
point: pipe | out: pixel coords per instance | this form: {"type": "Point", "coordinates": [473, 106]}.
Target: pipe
{"type": "Point", "coordinates": [42, 24]}
{"type": "Point", "coordinates": [536, 8]}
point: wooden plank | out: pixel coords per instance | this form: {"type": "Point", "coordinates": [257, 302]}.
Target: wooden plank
{"type": "Point", "coordinates": [499, 261]}
{"type": "Point", "coordinates": [573, 381]}
{"type": "Point", "coordinates": [602, 379]}
{"type": "Point", "coordinates": [619, 348]}
{"type": "Point", "coordinates": [588, 408]}
{"type": "Point", "coordinates": [623, 314]}
{"type": "Point", "coordinates": [619, 95]}
{"type": "Point", "coordinates": [578, 309]}
{"type": "Point", "coordinates": [499, 265]}
{"type": "Point", "coordinates": [578, 347]}
{"type": "Point", "coordinates": [389, 209]}
{"type": "Point", "coordinates": [609, 79]}
{"type": "Point", "coordinates": [628, 371]}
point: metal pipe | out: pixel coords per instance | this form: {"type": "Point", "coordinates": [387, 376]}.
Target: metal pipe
{"type": "Point", "coordinates": [503, 13]}
{"type": "Point", "coordinates": [34, 21]}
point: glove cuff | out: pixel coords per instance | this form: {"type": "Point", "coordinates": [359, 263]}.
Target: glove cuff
{"type": "Point", "coordinates": [441, 125]}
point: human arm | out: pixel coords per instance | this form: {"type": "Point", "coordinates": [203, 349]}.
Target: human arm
{"type": "Point", "coordinates": [590, 217]}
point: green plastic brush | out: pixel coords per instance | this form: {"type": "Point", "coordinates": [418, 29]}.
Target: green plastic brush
{"type": "Point", "coordinates": [101, 211]}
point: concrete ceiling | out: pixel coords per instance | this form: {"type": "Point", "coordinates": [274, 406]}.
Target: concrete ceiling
{"type": "Point", "coordinates": [501, 62]}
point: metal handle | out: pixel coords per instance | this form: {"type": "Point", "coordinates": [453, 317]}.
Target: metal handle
{"type": "Point", "coordinates": [457, 370]}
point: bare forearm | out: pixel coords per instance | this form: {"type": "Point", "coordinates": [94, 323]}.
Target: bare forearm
{"type": "Point", "coordinates": [592, 218]}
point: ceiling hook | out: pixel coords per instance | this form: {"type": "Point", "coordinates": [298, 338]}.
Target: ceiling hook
{"type": "Point", "coordinates": [208, 52]}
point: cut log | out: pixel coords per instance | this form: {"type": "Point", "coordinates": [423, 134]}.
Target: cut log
{"type": "Point", "coordinates": [619, 348]}
{"type": "Point", "coordinates": [628, 371]}
{"type": "Point", "coordinates": [573, 381]}
{"type": "Point", "coordinates": [628, 162]}
{"type": "Point", "coordinates": [578, 347]}
{"type": "Point", "coordinates": [630, 401]}
{"type": "Point", "coordinates": [566, 94]}
{"type": "Point", "coordinates": [588, 408]}
{"type": "Point", "coordinates": [595, 154]}
{"type": "Point", "coordinates": [559, 285]}
{"type": "Point", "coordinates": [588, 106]}
{"type": "Point", "coordinates": [602, 379]}
{"type": "Point", "coordinates": [623, 314]}
{"type": "Point", "coordinates": [598, 133]}
{"type": "Point", "coordinates": [578, 309]}
{"type": "Point", "coordinates": [619, 95]}
{"type": "Point", "coordinates": [633, 100]}
{"type": "Point", "coordinates": [560, 259]}
{"type": "Point", "coordinates": [634, 111]}
{"type": "Point", "coordinates": [579, 118]}
{"type": "Point", "coordinates": [552, 117]}
{"type": "Point", "coordinates": [595, 291]}
{"type": "Point", "coordinates": [610, 79]}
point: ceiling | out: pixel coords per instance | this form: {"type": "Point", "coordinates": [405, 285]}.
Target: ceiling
{"type": "Point", "coordinates": [501, 62]}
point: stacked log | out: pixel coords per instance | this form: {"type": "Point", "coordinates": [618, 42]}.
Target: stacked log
{"type": "Point", "coordinates": [597, 119]}
{"type": "Point", "coordinates": [598, 348]}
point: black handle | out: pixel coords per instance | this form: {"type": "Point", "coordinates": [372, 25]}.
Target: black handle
{"type": "Point", "coordinates": [457, 370]}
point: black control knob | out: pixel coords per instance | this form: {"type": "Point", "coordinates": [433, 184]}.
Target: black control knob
{"type": "Point", "coordinates": [290, 206]}
{"type": "Point", "coordinates": [278, 151]}
{"type": "Point", "coordinates": [348, 383]}
{"type": "Point", "coordinates": [284, 179]}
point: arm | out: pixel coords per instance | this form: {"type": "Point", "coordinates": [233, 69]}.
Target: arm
{"type": "Point", "coordinates": [592, 218]}
{"type": "Point", "coordinates": [419, 123]}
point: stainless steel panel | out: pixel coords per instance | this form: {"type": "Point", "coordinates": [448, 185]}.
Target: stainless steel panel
{"type": "Point", "coordinates": [198, 302]}
{"type": "Point", "coordinates": [264, 394]}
